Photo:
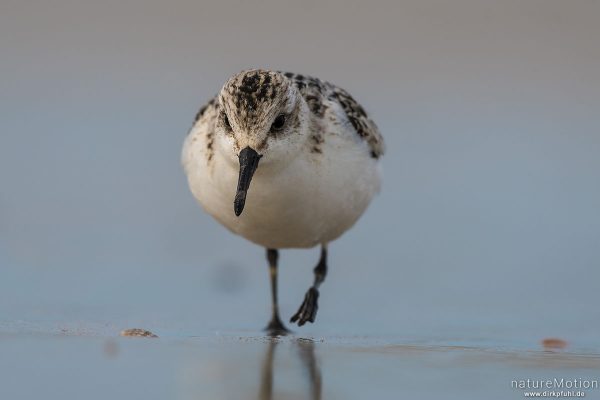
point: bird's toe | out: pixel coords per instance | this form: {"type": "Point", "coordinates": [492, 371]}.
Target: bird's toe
{"type": "Point", "coordinates": [308, 310]}
{"type": "Point", "coordinates": [276, 328]}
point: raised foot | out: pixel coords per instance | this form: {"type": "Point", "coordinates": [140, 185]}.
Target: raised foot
{"type": "Point", "coordinates": [276, 328]}
{"type": "Point", "coordinates": [308, 310]}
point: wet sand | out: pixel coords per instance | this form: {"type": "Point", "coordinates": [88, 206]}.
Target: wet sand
{"type": "Point", "coordinates": [92, 363]}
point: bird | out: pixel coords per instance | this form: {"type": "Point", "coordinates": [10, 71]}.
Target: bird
{"type": "Point", "coordinates": [284, 160]}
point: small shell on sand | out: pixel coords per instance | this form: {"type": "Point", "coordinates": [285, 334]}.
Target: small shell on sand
{"type": "Point", "coordinates": [137, 332]}
{"type": "Point", "coordinates": [554, 343]}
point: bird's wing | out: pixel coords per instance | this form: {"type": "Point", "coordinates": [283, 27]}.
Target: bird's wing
{"type": "Point", "coordinates": [315, 91]}
{"type": "Point", "coordinates": [200, 139]}
{"type": "Point", "coordinates": [208, 109]}
{"type": "Point", "coordinates": [363, 125]}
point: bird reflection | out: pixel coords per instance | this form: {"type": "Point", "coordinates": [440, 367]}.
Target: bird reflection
{"type": "Point", "coordinates": [306, 353]}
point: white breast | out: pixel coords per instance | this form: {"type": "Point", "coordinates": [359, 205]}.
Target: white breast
{"type": "Point", "coordinates": [313, 200]}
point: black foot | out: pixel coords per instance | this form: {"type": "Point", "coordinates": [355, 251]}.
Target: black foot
{"type": "Point", "coordinates": [276, 328]}
{"type": "Point", "coordinates": [308, 310]}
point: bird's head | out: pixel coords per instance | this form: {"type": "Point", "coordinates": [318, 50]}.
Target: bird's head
{"type": "Point", "coordinates": [262, 118]}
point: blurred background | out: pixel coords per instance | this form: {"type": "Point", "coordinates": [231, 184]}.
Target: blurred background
{"type": "Point", "coordinates": [487, 227]}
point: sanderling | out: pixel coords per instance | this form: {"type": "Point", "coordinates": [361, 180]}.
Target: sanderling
{"type": "Point", "coordinates": [311, 153]}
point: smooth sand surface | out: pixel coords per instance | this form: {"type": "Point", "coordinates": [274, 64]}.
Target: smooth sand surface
{"type": "Point", "coordinates": [94, 362]}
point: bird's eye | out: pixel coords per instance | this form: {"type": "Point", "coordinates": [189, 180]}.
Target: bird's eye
{"type": "Point", "coordinates": [278, 123]}
{"type": "Point", "coordinates": [226, 121]}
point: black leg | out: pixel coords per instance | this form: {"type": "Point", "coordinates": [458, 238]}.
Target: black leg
{"type": "Point", "coordinates": [275, 327]}
{"type": "Point", "coordinates": [308, 310]}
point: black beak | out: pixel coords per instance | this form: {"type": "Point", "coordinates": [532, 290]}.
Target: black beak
{"type": "Point", "coordinates": [248, 163]}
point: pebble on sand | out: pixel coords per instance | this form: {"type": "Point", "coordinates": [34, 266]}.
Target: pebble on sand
{"type": "Point", "coordinates": [137, 332]}
{"type": "Point", "coordinates": [554, 343]}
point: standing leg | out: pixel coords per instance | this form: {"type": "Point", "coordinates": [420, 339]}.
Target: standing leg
{"type": "Point", "coordinates": [275, 327]}
{"type": "Point", "coordinates": [308, 310]}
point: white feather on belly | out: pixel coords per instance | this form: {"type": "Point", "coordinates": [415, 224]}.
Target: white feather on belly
{"type": "Point", "coordinates": [315, 199]}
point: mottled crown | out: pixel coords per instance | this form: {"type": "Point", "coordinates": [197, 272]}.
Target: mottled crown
{"type": "Point", "coordinates": [251, 98]}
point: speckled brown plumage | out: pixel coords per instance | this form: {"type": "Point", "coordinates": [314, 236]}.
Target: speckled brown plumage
{"type": "Point", "coordinates": [252, 93]}
{"type": "Point", "coordinates": [363, 125]}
